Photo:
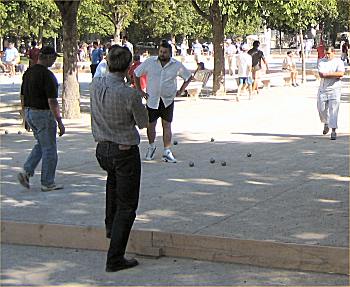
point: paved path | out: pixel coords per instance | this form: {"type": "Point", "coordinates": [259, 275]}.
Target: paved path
{"type": "Point", "coordinates": [294, 188]}
{"type": "Point", "coordinates": [38, 266]}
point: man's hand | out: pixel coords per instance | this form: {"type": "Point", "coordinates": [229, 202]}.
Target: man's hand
{"type": "Point", "coordinates": [61, 128]}
{"type": "Point", "coordinates": [179, 93]}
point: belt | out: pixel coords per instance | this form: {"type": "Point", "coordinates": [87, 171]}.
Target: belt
{"type": "Point", "coordinates": [36, 109]}
{"type": "Point", "coordinates": [120, 146]}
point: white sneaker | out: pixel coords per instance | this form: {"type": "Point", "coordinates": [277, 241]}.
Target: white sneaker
{"type": "Point", "coordinates": [168, 156]}
{"type": "Point", "coordinates": [150, 153]}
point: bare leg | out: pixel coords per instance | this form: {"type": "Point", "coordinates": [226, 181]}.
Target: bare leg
{"type": "Point", "coordinates": [166, 134]}
{"type": "Point", "coordinates": [151, 132]}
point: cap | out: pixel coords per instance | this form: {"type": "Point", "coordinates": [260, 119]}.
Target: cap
{"type": "Point", "coordinates": [47, 50]}
{"type": "Point", "coordinates": [245, 47]}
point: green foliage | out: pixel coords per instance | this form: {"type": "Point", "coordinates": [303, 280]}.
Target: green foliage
{"type": "Point", "coordinates": [22, 18]}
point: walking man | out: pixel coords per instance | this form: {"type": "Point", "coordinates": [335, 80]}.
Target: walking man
{"type": "Point", "coordinates": [230, 53]}
{"type": "Point", "coordinates": [161, 89]}
{"type": "Point", "coordinates": [96, 57]}
{"type": "Point", "coordinates": [116, 109]}
{"type": "Point", "coordinates": [257, 57]}
{"type": "Point", "coordinates": [39, 92]}
{"type": "Point", "coordinates": [244, 63]}
{"type": "Point", "coordinates": [330, 69]}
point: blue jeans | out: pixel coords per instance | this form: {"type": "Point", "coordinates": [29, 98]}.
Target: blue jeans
{"type": "Point", "coordinates": [44, 127]}
{"type": "Point", "coordinates": [122, 194]}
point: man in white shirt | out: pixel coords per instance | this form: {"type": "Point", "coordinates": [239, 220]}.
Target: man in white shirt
{"type": "Point", "coordinates": [244, 63]}
{"type": "Point", "coordinates": [330, 70]}
{"type": "Point", "coordinates": [11, 58]}
{"type": "Point", "coordinates": [197, 50]}
{"type": "Point", "coordinates": [162, 72]}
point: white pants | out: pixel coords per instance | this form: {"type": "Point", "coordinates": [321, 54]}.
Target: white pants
{"type": "Point", "coordinates": [328, 111]}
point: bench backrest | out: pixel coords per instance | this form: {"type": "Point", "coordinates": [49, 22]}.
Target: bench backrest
{"type": "Point", "coordinates": [203, 76]}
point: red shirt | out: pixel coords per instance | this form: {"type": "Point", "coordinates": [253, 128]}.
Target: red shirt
{"type": "Point", "coordinates": [143, 79]}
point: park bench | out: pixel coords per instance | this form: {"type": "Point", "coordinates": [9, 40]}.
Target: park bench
{"type": "Point", "coordinates": [200, 81]}
{"type": "Point", "coordinates": [274, 76]}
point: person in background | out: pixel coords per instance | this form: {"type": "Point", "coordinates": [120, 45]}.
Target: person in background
{"type": "Point", "coordinates": [11, 58]}
{"type": "Point", "coordinates": [143, 80]}
{"type": "Point", "coordinates": [244, 63]}
{"type": "Point", "coordinates": [162, 72]}
{"type": "Point", "coordinates": [257, 58]}
{"type": "Point", "coordinates": [126, 43]}
{"type": "Point", "coordinates": [33, 53]}
{"type": "Point", "coordinates": [230, 54]}
{"type": "Point", "coordinates": [330, 69]}
{"type": "Point", "coordinates": [39, 92]}
{"type": "Point", "coordinates": [116, 110]}
{"type": "Point", "coordinates": [96, 57]}
{"type": "Point", "coordinates": [197, 50]}
{"type": "Point", "coordinates": [290, 65]}
{"type": "Point", "coordinates": [345, 51]}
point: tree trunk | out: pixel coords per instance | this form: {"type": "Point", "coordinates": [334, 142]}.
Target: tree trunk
{"type": "Point", "coordinates": [219, 60]}
{"type": "Point", "coordinates": [117, 31]}
{"type": "Point", "coordinates": [70, 91]}
{"type": "Point", "coordinates": [303, 64]}
{"type": "Point", "coordinates": [40, 35]}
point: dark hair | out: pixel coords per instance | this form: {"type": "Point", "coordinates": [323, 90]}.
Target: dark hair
{"type": "Point", "coordinates": [289, 52]}
{"type": "Point", "coordinates": [118, 58]}
{"type": "Point", "coordinates": [165, 44]}
{"type": "Point", "coordinates": [136, 57]}
{"type": "Point", "coordinates": [94, 43]}
{"type": "Point", "coordinates": [201, 65]}
{"type": "Point", "coordinates": [33, 43]}
{"type": "Point", "coordinates": [256, 43]}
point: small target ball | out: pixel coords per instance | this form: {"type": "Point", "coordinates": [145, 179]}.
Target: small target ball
{"type": "Point", "coordinates": [6, 132]}
{"type": "Point", "coordinates": [19, 132]}
{"type": "Point", "coordinates": [223, 163]}
{"type": "Point", "coordinates": [212, 160]}
{"type": "Point", "coordinates": [191, 164]}
{"type": "Point", "coordinates": [175, 142]}
{"type": "Point", "coordinates": [212, 139]}
{"type": "Point", "coordinates": [249, 154]}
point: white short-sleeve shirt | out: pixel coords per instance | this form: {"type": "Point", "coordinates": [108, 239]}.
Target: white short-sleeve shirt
{"type": "Point", "coordinates": [244, 63]}
{"type": "Point", "coordinates": [161, 81]}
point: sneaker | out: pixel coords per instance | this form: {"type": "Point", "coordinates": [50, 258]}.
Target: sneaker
{"type": "Point", "coordinates": [325, 129]}
{"type": "Point", "coordinates": [23, 179]}
{"type": "Point", "coordinates": [168, 156]}
{"type": "Point", "coordinates": [150, 153]}
{"type": "Point", "coordinates": [51, 187]}
{"type": "Point", "coordinates": [333, 136]}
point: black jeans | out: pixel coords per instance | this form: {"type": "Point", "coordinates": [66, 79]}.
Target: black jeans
{"type": "Point", "coordinates": [122, 194]}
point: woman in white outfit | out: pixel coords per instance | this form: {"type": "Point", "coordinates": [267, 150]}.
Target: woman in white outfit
{"type": "Point", "coordinates": [330, 69]}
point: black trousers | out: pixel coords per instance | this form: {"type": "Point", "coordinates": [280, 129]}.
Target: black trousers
{"type": "Point", "coordinates": [93, 68]}
{"type": "Point", "coordinates": [122, 194]}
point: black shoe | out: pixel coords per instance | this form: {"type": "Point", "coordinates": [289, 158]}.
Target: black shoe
{"type": "Point", "coordinates": [123, 264]}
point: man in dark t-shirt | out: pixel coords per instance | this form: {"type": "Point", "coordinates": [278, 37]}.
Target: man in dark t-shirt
{"type": "Point", "coordinates": [257, 57]}
{"type": "Point", "coordinates": [39, 92]}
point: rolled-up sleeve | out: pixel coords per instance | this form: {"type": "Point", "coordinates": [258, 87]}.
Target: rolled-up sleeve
{"type": "Point", "coordinates": [184, 73]}
{"type": "Point", "coordinates": [141, 70]}
{"type": "Point", "coordinates": [139, 111]}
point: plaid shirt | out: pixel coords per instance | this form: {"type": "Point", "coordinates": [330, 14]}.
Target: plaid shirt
{"type": "Point", "coordinates": [116, 109]}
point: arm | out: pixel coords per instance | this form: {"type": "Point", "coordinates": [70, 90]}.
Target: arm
{"type": "Point", "coordinates": [184, 86]}
{"type": "Point", "coordinates": [139, 112]}
{"type": "Point", "coordinates": [331, 75]}
{"type": "Point", "coordinates": [55, 109]}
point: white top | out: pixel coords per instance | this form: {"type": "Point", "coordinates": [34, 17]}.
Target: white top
{"type": "Point", "coordinates": [326, 66]}
{"type": "Point", "coordinates": [197, 48]}
{"type": "Point", "coordinates": [230, 50]}
{"type": "Point", "coordinates": [244, 63]}
{"type": "Point", "coordinates": [161, 81]}
{"type": "Point", "coordinates": [102, 69]}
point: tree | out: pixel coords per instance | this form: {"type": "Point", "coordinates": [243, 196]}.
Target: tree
{"type": "Point", "coordinates": [120, 13]}
{"type": "Point", "coordinates": [70, 93]}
